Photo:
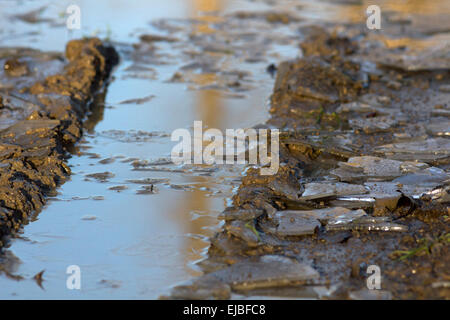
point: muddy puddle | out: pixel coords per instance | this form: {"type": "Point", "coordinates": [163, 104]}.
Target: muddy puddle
{"type": "Point", "coordinates": [154, 219]}
{"type": "Point", "coordinates": [136, 224]}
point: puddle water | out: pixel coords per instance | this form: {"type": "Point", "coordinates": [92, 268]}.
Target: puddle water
{"type": "Point", "coordinates": [132, 239]}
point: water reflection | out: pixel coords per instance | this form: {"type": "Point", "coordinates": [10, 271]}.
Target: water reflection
{"type": "Point", "coordinates": [143, 238]}
{"type": "Point", "coordinates": [209, 108]}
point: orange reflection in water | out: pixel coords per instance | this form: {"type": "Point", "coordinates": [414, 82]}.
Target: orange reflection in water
{"type": "Point", "coordinates": [209, 108]}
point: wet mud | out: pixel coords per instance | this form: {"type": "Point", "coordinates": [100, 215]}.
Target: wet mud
{"type": "Point", "coordinates": [364, 154]}
{"type": "Point", "coordinates": [44, 100]}
{"type": "Point", "coordinates": [364, 175]}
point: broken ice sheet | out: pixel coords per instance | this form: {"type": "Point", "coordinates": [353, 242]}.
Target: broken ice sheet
{"type": "Point", "coordinates": [445, 88]}
{"type": "Point", "coordinates": [384, 195]}
{"type": "Point", "coordinates": [441, 113]}
{"type": "Point", "coordinates": [138, 100]}
{"type": "Point", "coordinates": [346, 217]}
{"type": "Point", "coordinates": [231, 213]}
{"type": "Point", "coordinates": [356, 106]}
{"type": "Point", "coordinates": [101, 176]}
{"type": "Point", "coordinates": [147, 189]}
{"type": "Point", "coordinates": [368, 168]}
{"type": "Point", "coordinates": [267, 271]}
{"type": "Point", "coordinates": [416, 188]}
{"type": "Point", "coordinates": [441, 128]}
{"type": "Point", "coordinates": [365, 223]}
{"type": "Point", "coordinates": [132, 135]}
{"type": "Point", "coordinates": [155, 162]}
{"type": "Point", "coordinates": [33, 16]}
{"type": "Point", "coordinates": [417, 179]}
{"type": "Point", "coordinates": [27, 127]}
{"type": "Point", "coordinates": [137, 71]}
{"type": "Point", "coordinates": [149, 181]}
{"type": "Point", "coordinates": [324, 190]}
{"type": "Point", "coordinates": [431, 53]}
{"type": "Point", "coordinates": [440, 194]}
{"type": "Point", "coordinates": [366, 294]}
{"type": "Point", "coordinates": [375, 124]}
{"type": "Point", "coordinates": [362, 168]}
{"type": "Point", "coordinates": [429, 177]}
{"type": "Point", "coordinates": [202, 288]}
{"type": "Point", "coordinates": [305, 222]}
{"type": "Point", "coordinates": [294, 224]}
{"type": "Point", "coordinates": [245, 231]}
{"type": "Point", "coordinates": [421, 150]}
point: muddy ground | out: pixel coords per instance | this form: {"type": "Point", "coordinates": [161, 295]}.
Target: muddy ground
{"type": "Point", "coordinates": [364, 155]}
{"type": "Point", "coordinates": [44, 99]}
{"type": "Point", "coordinates": [363, 180]}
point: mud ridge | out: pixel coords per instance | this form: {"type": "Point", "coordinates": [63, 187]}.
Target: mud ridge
{"type": "Point", "coordinates": [44, 99]}
{"type": "Point", "coordinates": [363, 181]}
